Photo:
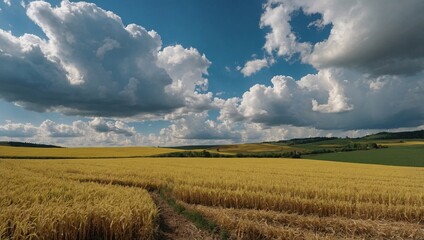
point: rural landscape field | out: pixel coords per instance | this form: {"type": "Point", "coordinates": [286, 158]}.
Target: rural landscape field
{"type": "Point", "coordinates": [128, 193]}
{"type": "Point", "coordinates": [211, 120]}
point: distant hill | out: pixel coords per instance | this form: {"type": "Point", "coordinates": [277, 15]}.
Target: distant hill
{"type": "Point", "coordinates": [26, 144]}
{"type": "Point", "coordinates": [304, 140]}
{"type": "Point", "coordinates": [194, 147]}
{"type": "Point", "coordinates": [397, 135]}
{"type": "Point", "coordinates": [377, 136]}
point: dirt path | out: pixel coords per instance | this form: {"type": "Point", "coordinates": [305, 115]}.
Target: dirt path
{"type": "Point", "coordinates": [175, 226]}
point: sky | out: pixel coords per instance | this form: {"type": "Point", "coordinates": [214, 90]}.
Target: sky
{"type": "Point", "coordinates": [166, 73]}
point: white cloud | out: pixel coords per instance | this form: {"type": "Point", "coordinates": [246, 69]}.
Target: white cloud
{"type": "Point", "coordinates": [370, 69]}
{"type": "Point", "coordinates": [119, 127]}
{"type": "Point", "coordinates": [109, 132]}
{"type": "Point", "coordinates": [337, 102]}
{"type": "Point", "coordinates": [281, 39]}
{"type": "Point", "coordinates": [253, 66]}
{"type": "Point", "coordinates": [369, 76]}
{"type": "Point", "coordinates": [331, 99]}
{"type": "Point", "coordinates": [97, 132]}
{"type": "Point", "coordinates": [20, 130]}
{"type": "Point", "coordinates": [194, 130]}
{"type": "Point", "coordinates": [198, 126]}
{"type": "Point", "coordinates": [8, 2]}
{"type": "Point", "coordinates": [363, 35]}
{"type": "Point", "coordinates": [219, 94]}
{"type": "Point", "coordinates": [102, 69]}
{"type": "Point", "coordinates": [52, 129]}
{"type": "Point", "coordinates": [187, 68]}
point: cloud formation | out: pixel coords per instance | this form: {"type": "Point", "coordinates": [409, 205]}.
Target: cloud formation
{"type": "Point", "coordinates": [109, 132]}
{"type": "Point", "coordinates": [8, 2]}
{"type": "Point", "coordinates": [376, 37]}
{"type": "Point", "coordinates": [17, 130]}
{"type": "Point", "coordinates": [119, 127]}
{"type": "Point", "coordinates": [197, 126]}
{"type": "Point", "coordinates": [91, 64]}
{"type": "Point", "coordinates": [96, 132]}
{"type": "Point", "coordinates": [253, 66]}
{"type": "Point", "coordinates": [370, 75]}
{"type": "Point", "coordinates": [370, 69]}
{"type": "Point", "coordinates": [188, 69]}
{"type": "Point", "coordinates": [281, 39]}
{"type": "Point", "coordinates": [51, 129]}
{"type": "Point", "coordinates": [332, 99]}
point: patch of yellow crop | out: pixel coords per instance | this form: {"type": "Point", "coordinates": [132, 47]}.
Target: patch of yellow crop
{"type": "Point", "coordinates": [82, 152]}
{"type": "Point", "coordinates": [36, 205]}
{"type": "Point", "coordinates": [254, 148]}
{"type": "Point", "coordinates": [252, 198]}
{"type": "Point", "coordinates": [402, 143]}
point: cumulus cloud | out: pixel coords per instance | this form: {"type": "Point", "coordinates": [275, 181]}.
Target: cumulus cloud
{"type": "Point", "coordinates": [198, 126]}
{"type": "Point", "coordinates": [102, 69]}
{"type": "Point", "coordinates": [52, 129]}
{"type": "Point", "coordinates": [102, 126]}
{"type": "Point", "coordinates": [332, 99]}
{"type": "Point", "coordinates": [96, 132]}
{"type": "Point", "coordinates": [8, 2]}
{"type": "Point", "coordinates": [370, 69]}
{"type": "Point", "coordinates": [376, 37]}
{"type": "Point", "coordinates": [369, 76]}
{"type": "Point", "coordinates": [253, 66]}
{"type": "Point", "coordinates": [281, 39]}
{"type": "Point", "coordinates": [187, 68]}
{"type": "Point", "coordinates": [108, 132]}
{"type": "Point", "coordinates": [364, 36]}
{"type": "Point", "coordinates": [17, 130]}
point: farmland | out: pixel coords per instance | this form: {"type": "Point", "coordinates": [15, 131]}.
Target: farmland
{"type": "Point", "coordinates": [394, 152]}
{"type": "Point", "coordinates": [248, 198]}
{"type": "Point", "coordinates": [403, 155]}
{"type": "Point", "coordinates": [63, 153]}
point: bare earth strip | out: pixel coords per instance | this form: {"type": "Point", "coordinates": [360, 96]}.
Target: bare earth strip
{"type": "Point", "coordinates": [175, 226]}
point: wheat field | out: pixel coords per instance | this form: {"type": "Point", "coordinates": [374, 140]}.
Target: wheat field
{"type": "Point", "coordinates": [403, 143]}
{"type": "Point", "coordinates": [39, 206]}
{"type": "Point", "coordinates": [89, 152]}
{"type": "Point", "coordinates": [251, 198]}
{"type": "Point", "coordinates": [253, 148]}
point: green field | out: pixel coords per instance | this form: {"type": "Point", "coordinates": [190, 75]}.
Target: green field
{"type": "Point", "coordinates": [397, 156]}
{"type": "Point", "coordinates": [395, 152]}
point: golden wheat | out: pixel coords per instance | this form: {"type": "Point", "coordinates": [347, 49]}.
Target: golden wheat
{"type": "Point", "coordinates": [243, 220]}
{"type": "Point", "coordinates": [260, 198]}
{"type": "Point", "coordinates": [36, 206]}
{"type": "Point", "coordinates": [93, 152]}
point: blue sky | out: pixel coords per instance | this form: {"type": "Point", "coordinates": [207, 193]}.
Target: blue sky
{"type": "Point", "coordinates": [274, 70]}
